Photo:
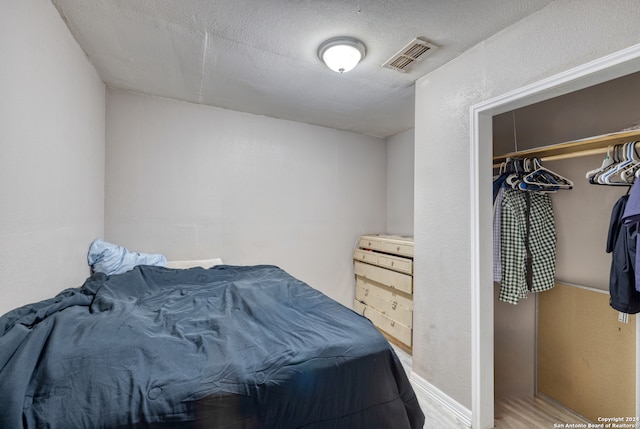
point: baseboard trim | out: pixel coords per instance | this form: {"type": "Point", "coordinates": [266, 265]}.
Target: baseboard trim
{"type": "Point", "coordinates": [461, 413]}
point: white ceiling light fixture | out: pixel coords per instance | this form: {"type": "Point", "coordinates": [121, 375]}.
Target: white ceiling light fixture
{"type": "Point", "coordinates": [342, 54]}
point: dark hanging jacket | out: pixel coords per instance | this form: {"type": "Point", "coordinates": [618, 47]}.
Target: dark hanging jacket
{"type": "Point", "coordinates": [621, 243]}
{"type": "Point", "coordinates": [630, 217]}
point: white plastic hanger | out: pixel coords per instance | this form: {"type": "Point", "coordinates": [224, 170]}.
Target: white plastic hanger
{"type": "Point", "coordinates": [546, 178]}
{"type": "Point", "coordinates": [606, 163]}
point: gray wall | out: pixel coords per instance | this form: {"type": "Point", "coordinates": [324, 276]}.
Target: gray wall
{"type": "Point", "coordinates": [194, 182]}
{"type": "Point", "coordinates": [52, 125]}
{"type": "Point", "coordinates": [599, 109]}
{"type": "Point", "coordinates": [400, 162]}
{"type": "Point", "coordinates": [561, 36]}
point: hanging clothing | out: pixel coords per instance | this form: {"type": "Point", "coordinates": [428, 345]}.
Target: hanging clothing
{"type": "Point", "coordinates": [631, 218]}
{"type": "Point", "coordinates": [527, 245]}
{"type": "Point", "coordinates": [498, 183]}
{"type": "Point", "coordinates": [497, 233]}
{"type": "Point", "coordinates": [498, 191]}
{"type": "Point", "coordinates": [622, 244]}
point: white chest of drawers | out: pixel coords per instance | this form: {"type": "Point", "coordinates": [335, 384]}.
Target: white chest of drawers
{"type": "Point", "coordinates": [383, 266]}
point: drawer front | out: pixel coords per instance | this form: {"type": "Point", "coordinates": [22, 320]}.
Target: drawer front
{"type": "Point", "coordinates": [390, 309]}
{"type": "Point", "coordinates": [396, 263]}
{"type": "Point", "coordinates": [387, 245]}
{"type": "Point", "coordinates": [359, 307]}
{"type": "Point", "coordinates": [394, 280]}
{"type": "Point", "coordinates": [372, 243]}
{"type": "Point", "coordinates": [398, 249]}
{"type": "Point", "coordinates": [384, 323]}
{"type": "Point", "coordinates": [366, 256]}
{"type": "Point", "coordinates": [392, 295]}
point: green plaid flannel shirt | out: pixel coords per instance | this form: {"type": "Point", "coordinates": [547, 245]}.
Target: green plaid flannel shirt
{"type": "Point", "coordinates": [542, 244]}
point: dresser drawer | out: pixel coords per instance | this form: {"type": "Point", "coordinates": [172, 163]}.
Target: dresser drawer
{"type": "Point", "coordinates": [398, 249]}
{"type": "Point", "coordinates": [396, 329]}
{"type": "Point", "coordinates": [392, 309]}
{"type": "Point", "coordinates": [373, 243]}
{"type": "Point", "coordinates": [366, 256]}
{"type": "Point", "coordinates": [396, 263]}
{"type": "Point", "coordinates": [393, 295]}
{"type": "Point", "coordinates": [394, 280]}
{"type": "Point", "coordinates": [388, 244]}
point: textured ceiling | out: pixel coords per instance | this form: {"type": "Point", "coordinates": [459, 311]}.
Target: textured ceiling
{"type": "Point", "coordinates": [259, 56]}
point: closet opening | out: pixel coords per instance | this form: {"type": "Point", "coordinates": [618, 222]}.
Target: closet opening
{"type": "Point", "coordinates": [560, 355]}
{"type": "Point", "coordinates": [533, 341]}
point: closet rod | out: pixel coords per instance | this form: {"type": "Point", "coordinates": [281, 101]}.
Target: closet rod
{"type": "Point", "coordinates": [583, 147]}
{"type": "Point", "coordinates": [565, 155]}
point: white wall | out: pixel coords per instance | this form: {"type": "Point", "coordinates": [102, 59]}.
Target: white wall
{"type": "Point", "coordinates": [400, 161]}
{"type": "Point", "coordinates": [52, 116]}
{"type": "Point", "coordinates": [563, 35]}
{"type": "Point", "coordinates": [193, 181]}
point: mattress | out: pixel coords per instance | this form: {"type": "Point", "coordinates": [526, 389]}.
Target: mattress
{"type": "Point", "coordinates": [225, 347]}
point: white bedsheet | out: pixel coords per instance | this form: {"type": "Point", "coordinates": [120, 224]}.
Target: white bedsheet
{"type": "Point", "coordinates": [204, 263]}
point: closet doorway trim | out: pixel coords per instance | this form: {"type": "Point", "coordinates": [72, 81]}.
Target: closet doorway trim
{"type": "Point", "coordinates": [598, 71]}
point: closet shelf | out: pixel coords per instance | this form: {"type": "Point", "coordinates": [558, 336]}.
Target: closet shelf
{"type": "Point", "coordinates": [573, 149]}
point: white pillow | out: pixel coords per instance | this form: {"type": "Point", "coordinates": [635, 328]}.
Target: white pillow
{"type": "Point", "coordinates": [204, 263]}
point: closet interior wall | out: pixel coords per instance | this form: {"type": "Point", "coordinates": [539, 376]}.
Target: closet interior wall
{"type": "Point", "coordinates": [582, 214]}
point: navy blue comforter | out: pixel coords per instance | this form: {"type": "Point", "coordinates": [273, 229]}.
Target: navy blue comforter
{"type": "Point", "coordinates": [226, 347]}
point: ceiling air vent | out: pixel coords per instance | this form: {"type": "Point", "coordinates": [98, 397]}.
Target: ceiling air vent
{"type": "Point", "coordinates": [416, 50]}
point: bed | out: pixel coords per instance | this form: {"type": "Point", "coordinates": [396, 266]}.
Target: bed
{"type": "Point", "coordinates": [223, 347]}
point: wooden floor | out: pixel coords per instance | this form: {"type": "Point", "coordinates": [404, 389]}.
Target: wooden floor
{"type": "Point", "coordinates": [514, 413]}
{"type": "Point", "coordinates": [533, 412]}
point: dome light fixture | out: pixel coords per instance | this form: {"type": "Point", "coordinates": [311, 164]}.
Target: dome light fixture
{"type": "Point", "coordinates": [341, 54]}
